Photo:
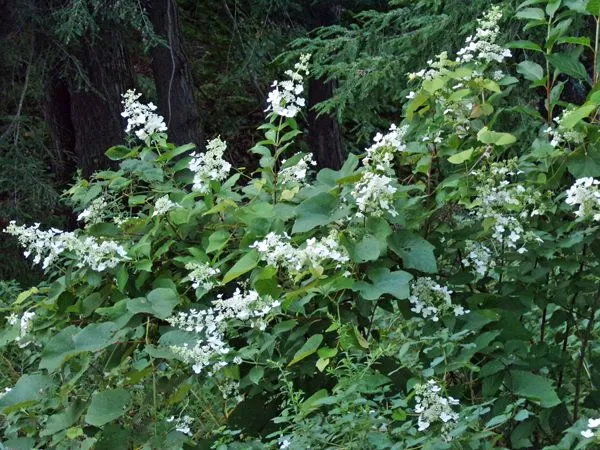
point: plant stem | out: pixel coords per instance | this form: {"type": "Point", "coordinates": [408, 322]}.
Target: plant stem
{"type": "Point", "coordinates": [584, 345]}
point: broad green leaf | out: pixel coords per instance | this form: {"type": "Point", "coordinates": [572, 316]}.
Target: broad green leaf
{"type": "Point", "coordinates": [584, 162]}
{"type": "Point", "coordinates": [107, 406]}
{"type": "Point", "coordinates": [461, 157]}
{"type": "Point", "coordinates": [492, 137]}
{"type": "Point", "coordinates": [158, 303]}
{"type": "Point", "coordinates": [572, 118]}
{"type": "Point", "coordinates": [315, 211]}
{"type": "Point", "coordinates": [256, 374]}
{"type": "Point", "coordinates": [569, 64]}
{"type": "Point", "coordinates": [366, 249]}
{"type": "Point", "coordinates": [244, 265]}
{"type": "Point", "coordinates": [71, 341]}
{"type": "Point", "coordinates": [309, 347]}
{"type": "Point", "coordinates": [416, 252]}
{"type": "Point", "coordinates": [530, 70]}
{"type": "Point", "coordinates": [526, 45]}
{"type": "Point", "coordinates": [533, 387]}
{"type": "Point", "coordinates": [28, 390]}
{"type": "Point", "coordinates": [217, 240]}
{"type": "Point", "coordinates": [384, 282]}
{"type": "Point", "coordinates": [119, 152]}
{"type": "Point", "coordinates": [531, 14]}
{"type": "Point", "coordinates": [593, 7]}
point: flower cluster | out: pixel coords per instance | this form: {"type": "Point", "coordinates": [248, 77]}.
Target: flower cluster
{"type": "Point", "coordinates": [213, 323]}
{"type": "Point", "coordinates": [285, 99]}
{"type": "Point", "coordinates": [277, 251]}
{"type": "Point", "coordinates": [478, 257]}
{"type": "Point", "coordinates": [24, 326]}
{"type": "Point", "coordinates": [182, 424]}
{"type": "Point", "coordinates": [437, 67]}
{"type": "Point", "coordinates": [296, 173]}
{"type": "Point", "coordinates": [380, 156]}
{"type": "Point", "coordinates": [433, 407]}
{"type": "Point", "coordinates": [47, 246]}
{"type": "Point", "coordinates": [585, 194]}
{"type": "Point", "coordinates": [201, 275]}
{"type": "Point", "coordinates": [561, 135]}
{"type": "Point", "coordinates": [163, 205]}
{"type": "Point", "coordinates": [209, 166]}
{"type": "Point", "coordinates": [591, 429]}
{"type": "Point", "coordinates": [94, 213]}
{"type": "Point", "coordinates": [140, 118]}
{"type": "Point", "coordinates": [374, 195]}
{"type": "Point", "coordinates": [507, 204]}
{"type": "Point", "coordinates": [482, 46]}
{"type": "Point", "coordinates": [431, 300]}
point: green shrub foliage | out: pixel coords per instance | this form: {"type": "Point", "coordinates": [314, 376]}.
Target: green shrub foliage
{"type": "Point", "coordinates": [439, 292]}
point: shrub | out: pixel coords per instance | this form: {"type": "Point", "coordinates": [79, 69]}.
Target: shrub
{"type": "Point", "coordinates": [442, 294]}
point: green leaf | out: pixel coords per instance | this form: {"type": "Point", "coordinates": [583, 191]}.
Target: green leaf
{"type": "Point", "coordinates": [531, 14]}
{"type": "Point", "coordinates": [107, 406]}
{"type": "Point", "coordinates": [525, 45]}
{"type": "Point", "coordinates": [28, 390]}
{"type": "Point", "coordinates": [217, 240]}
{"type": "Point", "coordinates": [245, 264]}
{"type": "Point", "coordinates": [384, 282]}
{"type": "Point", "coordinates": [569, 64]}
{"type": "Point", "coordinates": [309, 347]}
{"type": "Point", "coordinates": [533, 387]}
{"type": "Point", "coordinates": [256, 374]}
{"type": "Point", "coordinates": [71, 341]}
{"type": "Point", "coordinates": [119, 152]}
{"type": "Point", "coordinates": [416, 252]}
{"type": "Point", "coordinates": [572, 118]}
{"type": "Point", "coordinates": [367, 249]}
{"type": "Point", "coordinates": [158, 303]}
{"type": "Point", "coordinates": [461, 157]}
{"type": "Point", "coordinates": [492, 137]}
{"type": "Point", "coordinates": [584, 162]}
{"type": "Point", "coordinates": [593, 7]}
{"type": "Point", "coordinates": [530, 70]}
{"type": "Point", "coordinates": [315, 211]}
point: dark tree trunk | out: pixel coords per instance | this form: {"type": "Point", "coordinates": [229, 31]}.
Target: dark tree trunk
{"type": "Point", "coordinates": [324, 133]}
{"type": "Point", "coordinates": [57, 113]}
{"type": "Point", "coordinates": [176, 101]}
{"type": "Point", "coordinates": [96, 109]}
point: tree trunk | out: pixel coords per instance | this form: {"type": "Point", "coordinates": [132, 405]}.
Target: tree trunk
{"type": "Point", "coordinates": [57, 113]}
{"type": "Point", "coordinates": [96, 109]}
{"type": "Point", "coordinates": [324, 133]}
{"type": "Point", "coordinates": [176, 101]}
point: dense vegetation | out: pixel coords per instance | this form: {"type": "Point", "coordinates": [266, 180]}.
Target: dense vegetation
{"type": "Point", "coordinates": [438, 289]}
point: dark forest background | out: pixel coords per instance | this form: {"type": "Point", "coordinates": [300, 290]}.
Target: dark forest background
{"type": "Point", "coordinates": [208, 66]}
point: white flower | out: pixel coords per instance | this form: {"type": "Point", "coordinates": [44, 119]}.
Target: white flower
{"type": "Point", "coordinates": [588, 434]}
{"type": "Point", "coordinates": [163, 205]}
{"type": "Point", "coordinates": [433, 407]}
{"type": "Point", "coordinates": [209, 165]}
{"type": "Point", "coordinates": [431, 300]}
{"type": "Point", "coordinates": [277, 251]}
{"type": "Point", "coordinates": [482, 46]}
{"type": "Point", "coordinates": [201, 275]}
{"type": "Point", "coordinates": [94, 212]}
{"type": "Point", "coordinates": [374, 195]}
{"type": "Point", "coordinates": [479, 257]}
{"type": "Point", "coordinates": [380, 156]}
{"type": "Point", "coordinates": [212, 324]}
{"type": "Point", "coordinates": [585, 194]}
{"type": "Point", "coordinates": [47, 246]}
{"type": "Point", "coordinates": [297, 172]}
{"type": "Point", "coordinates": [561, 135]}
{"type": "Point", "coordinates": [593, 423]}
{"type": "Point", "coordinates": [182, 424]}
{"type": "Point", "coordinates": [141, 120]}
{"type": "Point", "coordinates": [284, 98]}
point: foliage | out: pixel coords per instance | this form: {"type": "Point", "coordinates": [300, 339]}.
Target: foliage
{"type": "Point", "coordinates": [442, 294]}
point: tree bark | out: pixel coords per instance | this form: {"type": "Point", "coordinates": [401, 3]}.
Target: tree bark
{"type": "Point", "coordinates": [324, 133]}
{"type": "Point", "coordinates": [96, 109]}
{"type": "Point", "coordinates": [174, 85]}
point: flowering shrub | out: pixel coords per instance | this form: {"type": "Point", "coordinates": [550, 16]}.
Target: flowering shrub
{"type": "Point", "coordinates": [439, 292]}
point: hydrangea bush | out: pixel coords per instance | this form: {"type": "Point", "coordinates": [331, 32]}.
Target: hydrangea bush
{"type": "Point", "coordinates": [438, 292]}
